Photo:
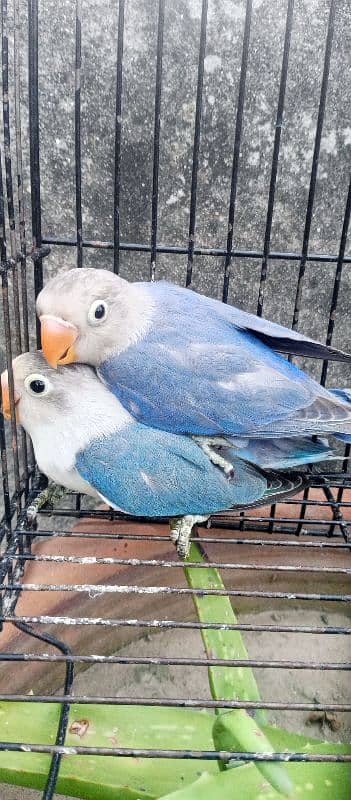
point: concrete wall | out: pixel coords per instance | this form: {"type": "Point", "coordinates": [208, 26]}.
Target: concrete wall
{"type": "Point", "coordinates": [222, 68]}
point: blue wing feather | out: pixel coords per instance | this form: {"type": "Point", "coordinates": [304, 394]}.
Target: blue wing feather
{"type": "Point", "coordinates": [282, 453]}
{"type": "Point", "coordinates": [278, 337]}
{"type": "Point", "coordinates": [147, 472]}
{"type": "Point", "coordinates": [197, 370]}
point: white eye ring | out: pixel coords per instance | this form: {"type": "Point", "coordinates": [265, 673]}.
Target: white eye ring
{"type": "Point", "coordinates": [37, 385]}
{"type": "Point", "coordinates": [97, 312]}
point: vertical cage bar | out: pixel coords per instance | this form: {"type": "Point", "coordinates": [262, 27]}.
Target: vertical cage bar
{"type": "Point", "coordinates": [26, 442]}
{"type": "Point", "coordinates": [344, 469]}
{"type": "Point", "coordinates": [16, 327]}
{"type": "Point", "coordinates": [275, 157]}
{"type": "Point", "coordinates": [7, 332]}
{"type": "Point", "coordinates": [337, 281]}
{"type": "Point", "coordinates": [303, 509]}
{"type": "Point", "coordinates": [273, 177]}
{"type": "Point", "coordinates": [8, 343]}
{"type": "Point", "coordinates": [34, 148]}
{"type": "Point", "coordinates": [4, 472]}
{"type": "Point", "coordinates": [311, 195]}
{"type": "Point", "coordinates": [157, 125]}
{"type": "Point", "coordinates": [50, 787]}
{"type": "Point", "coordinates": [77, 136]}
{"type": "Point", "coordinates": [236, 151]}
{"type": "Point", "coordinates": [118, 139]}
{"type": "Point", "coordinates": [196, 145]}
{"type": "Point", "coordinates": [315, 160]}
{"type": "Point", "coordinates": [8, 174]}
{"type": "Point", "coordinates": [56, 759]}
{"type": "Point", "coordinates": [332, 313]}
{"type": "Point", "coordinates": [27, 447]}
{"type": "Point", "coordinates": [19, 166]}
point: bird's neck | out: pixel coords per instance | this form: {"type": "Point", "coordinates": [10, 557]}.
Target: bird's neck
{"type": "Point", "coordinates": [137, 313]}
{"type": "Point", "coordinates": [90, 415]}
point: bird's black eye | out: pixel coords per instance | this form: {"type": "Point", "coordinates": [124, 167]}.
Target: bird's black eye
{"type": "Point", "coordinates": [99, 311]}
{"type": "Point", "coordinates": [37, 386]}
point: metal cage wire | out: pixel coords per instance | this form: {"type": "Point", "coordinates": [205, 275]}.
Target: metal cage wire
{"type": "Point", "coordinates": [305, 526]}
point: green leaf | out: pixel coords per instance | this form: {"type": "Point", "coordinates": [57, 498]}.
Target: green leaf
{"type": "Point", "coordinates": [297, 743]}
{"type": "Point", "coordinates": [320, 781]}
{"type": "Point", "coordinates": [237, 731]}
{"type": "Point", "coordinates": [226, 683]}
{"type": "Point", "coordinates": [96, 777]}
{"type": "Point", "coordinates": [108, 778]}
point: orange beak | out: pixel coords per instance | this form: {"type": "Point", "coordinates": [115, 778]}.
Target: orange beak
{"type": "Point", "coordinates": [6, 405]}
{"type": "Point", "coordinates": [57, 340]}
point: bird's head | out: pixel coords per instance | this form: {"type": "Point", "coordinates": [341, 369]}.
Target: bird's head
{"type": "Point", "coordinates": [42, 394]}
{"type": "Point", "coordinates": [85, 315]}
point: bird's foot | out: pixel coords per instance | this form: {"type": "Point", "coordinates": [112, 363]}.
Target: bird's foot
{"type": "Point", "coordinates": [181, 530]}
{"type": "Point", "coordinates": [49, 496]}
{"type": "Point", "coordinates": [207, 445]}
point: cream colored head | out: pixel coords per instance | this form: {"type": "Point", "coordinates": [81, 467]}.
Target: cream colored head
{"type": "Point", "coordinates": [87, 315]}
{"type": "Point", "coordinates": [68, 400]}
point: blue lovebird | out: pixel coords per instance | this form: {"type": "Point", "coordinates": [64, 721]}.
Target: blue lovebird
{"type": "Point", "coordinates": [186, 364]}
{"type": "Point", "coordinates": [85, 440]}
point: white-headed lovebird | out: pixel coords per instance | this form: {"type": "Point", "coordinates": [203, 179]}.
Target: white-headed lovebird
{"type": "Point", "coordinates": [184, 363]}
{"type": "Point", "coordinates": [85, 440]}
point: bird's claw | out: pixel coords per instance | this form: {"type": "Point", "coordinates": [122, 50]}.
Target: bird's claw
{"type": "Point", "coordinates": [49, 496]}
{"type": "Point", "coordinates": [211, 446]}
{"type": "Point", "coordinates": [181, 530]}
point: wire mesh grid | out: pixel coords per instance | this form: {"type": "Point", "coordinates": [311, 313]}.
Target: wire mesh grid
{"type": "Point", "coordinates": [301, 547]}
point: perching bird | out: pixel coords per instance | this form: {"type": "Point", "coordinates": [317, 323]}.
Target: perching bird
{"type": "Point", "coordinates": [184, 363]}
{"type": "Point", "coordinates": [85, 440]}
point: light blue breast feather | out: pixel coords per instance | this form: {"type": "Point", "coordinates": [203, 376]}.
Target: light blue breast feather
{"type": "Point", "coordinates": [153, 473]}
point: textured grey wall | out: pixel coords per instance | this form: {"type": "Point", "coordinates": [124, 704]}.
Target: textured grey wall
{"type": "Point", "coordinates": [222, 68]}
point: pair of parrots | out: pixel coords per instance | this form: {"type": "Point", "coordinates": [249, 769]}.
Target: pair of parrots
{"type": "Point", "coordinates": [166, 403]}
